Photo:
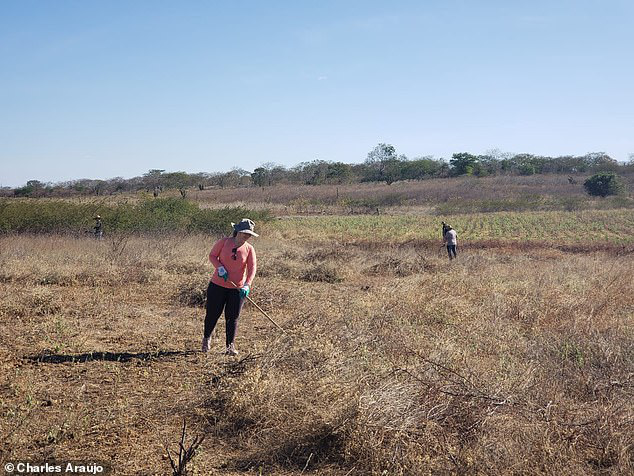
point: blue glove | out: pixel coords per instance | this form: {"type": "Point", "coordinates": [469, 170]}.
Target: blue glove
{"type": "Point", "coordinates": [222, 273]}
{"type": "Point", "coordinates": [244, 291]}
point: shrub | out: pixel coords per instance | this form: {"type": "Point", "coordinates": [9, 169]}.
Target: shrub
{"type": "Point", "coordinates": [604, 184]}
{"type": "Point", "coordinates": [162, 214]}
{"type": "Point", "coordinates": [193, 292]}
{"type": "Point", "coordinates": [217, 221]}
{"type": "Point", "coordinates": [402, 267]}
{"type": "Point", "coordinates": [322, 273]}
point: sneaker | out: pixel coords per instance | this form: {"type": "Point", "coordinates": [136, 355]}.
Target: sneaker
{"type": "Point", "coordinates": [231, 350]}
{"type": "Point", "coordinates": [206, 344]}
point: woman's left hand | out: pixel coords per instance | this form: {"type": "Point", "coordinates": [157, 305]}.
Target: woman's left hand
{"type": "Point", "coordinates": [244, 291]}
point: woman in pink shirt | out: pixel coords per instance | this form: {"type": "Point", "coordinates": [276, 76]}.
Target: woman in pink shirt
{"type": "Point", "coordinates": [236, 264]}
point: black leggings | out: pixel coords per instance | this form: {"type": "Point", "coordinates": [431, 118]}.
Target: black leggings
{"type": "Point", "coordinates": [219, 298]}
{"type": "Point", "coordinates": [451, 250]}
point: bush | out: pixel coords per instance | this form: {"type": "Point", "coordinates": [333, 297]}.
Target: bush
{"type": "Point", "coordinates": [604, 184]}
{"type": "Point", "coordinates": [322, 273]}
{"type": "Point", "coordinates": [217, 221]}
{"type": "Point", "coordinates": [163, 215]}
{"type": "Point", "coordinates": [193, 292]}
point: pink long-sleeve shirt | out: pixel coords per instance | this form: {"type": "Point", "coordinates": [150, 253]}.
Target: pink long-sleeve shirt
{"type": "Point", "coordinates": [241, 270]}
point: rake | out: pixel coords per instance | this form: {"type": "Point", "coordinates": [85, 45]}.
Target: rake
{"type": "Point", "coordinates": [260, 309]}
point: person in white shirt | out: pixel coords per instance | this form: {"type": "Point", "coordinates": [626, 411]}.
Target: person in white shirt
{"type": "Point", "coordinates": [451, 239]}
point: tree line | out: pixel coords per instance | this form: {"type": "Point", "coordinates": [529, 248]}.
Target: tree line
{"type": "Point", "coordinates": [382, 164]}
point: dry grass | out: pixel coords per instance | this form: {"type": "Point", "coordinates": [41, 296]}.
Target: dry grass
{"type": "Point", "coordinates": [587, 230]}
{"type": "Point", "coordinates": [408, 196]}
{"type": "Point", "coordinates": [504, 362]}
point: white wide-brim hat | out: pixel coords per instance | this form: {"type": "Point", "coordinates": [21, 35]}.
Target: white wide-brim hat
{"type": "Point", "coordinates": [245, 226]}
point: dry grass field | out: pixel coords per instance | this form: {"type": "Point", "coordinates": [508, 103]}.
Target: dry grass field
{"type": "Point", "coordinates": [513, 359]}
{"type": "Point", "coordinates": [452, 195]}
{"type": "Point", "coordinates": [459, 194]}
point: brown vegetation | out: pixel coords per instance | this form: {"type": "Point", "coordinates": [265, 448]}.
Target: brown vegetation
{"type": "Point", "coordinates": [505, 361]}
{"type": "Point", "coordinates": [464, 194]}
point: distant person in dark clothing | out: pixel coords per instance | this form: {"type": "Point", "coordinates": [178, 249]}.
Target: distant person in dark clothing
{"type": "Point", "coordinates": [98, 228]}
{"type": "Point", "coordinates": [445, 228]}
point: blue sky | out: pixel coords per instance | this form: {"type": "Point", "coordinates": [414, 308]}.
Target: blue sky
{"type": "Point", "coordinates": [99, 89]}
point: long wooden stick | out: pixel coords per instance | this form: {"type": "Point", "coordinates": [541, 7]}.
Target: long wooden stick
{"type": "Point", "coordinates": [267, 316]}
{"type": "Point", "coordinates": [260, 309]}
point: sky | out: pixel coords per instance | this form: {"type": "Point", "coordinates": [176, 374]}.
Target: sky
{"type": "Point", "coordinates": [102, 89]}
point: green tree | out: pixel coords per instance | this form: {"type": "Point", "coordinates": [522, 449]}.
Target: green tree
{"type": "Point", "coordinates": [529, 164]}
{"type": "Point", "coordinates": [31, 189]}
{"type": "Point", "coordinates": [23, 191]}
{"type": "Point", "coordinates": [312, 173]}
{"type": "Point", "coordinates": [383, 163]}
{"type": "Point", "coordinates": [420, 167]}
{"type": "Point", "coordinates": [463, 163]}
{"type": "Point", "coordinates": [259, 177]}
{"type": "Point", "coordinates": [338, 172]}
{"type": "Point", "coordinates": [604, 184]}
{"type": "Point", "coordinates": [268, 174]}
{"type": "Point", "coordinates": [175, 180]}
{"type": "Point", "coordinates": [152, 178]}
{"type": "Point", "coordinates": [35, 184]}
{"type": "Point", "coordinates": [600, 161]}
{"type": "Point", "coordinates": [241, 176]}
